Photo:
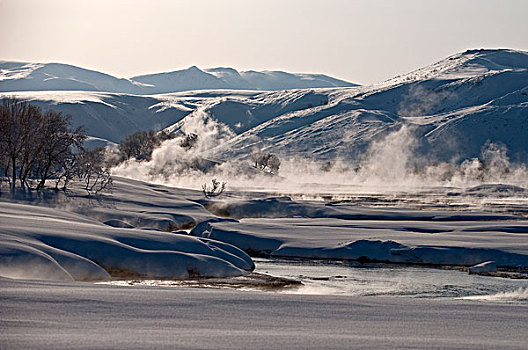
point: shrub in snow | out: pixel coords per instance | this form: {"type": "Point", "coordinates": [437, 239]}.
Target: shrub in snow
{"type": "Point", "coordinates": [216, 189]}
{"type": "Point", "coordinates": [266, 161]}
{"type": "Point", "coordinates": [189, 141]}
{"type": "Point", "coordinates": [140, 144]}
{"type": "Point", "coordinates": [92, 171]}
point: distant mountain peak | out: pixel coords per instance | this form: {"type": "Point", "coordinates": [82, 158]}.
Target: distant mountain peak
{"type": "Point", "coordinates": [194, 68]}
{"type": "Point", "coordinates": [24, 76]}
{"type": "Point", "coordinates": [222, 69]}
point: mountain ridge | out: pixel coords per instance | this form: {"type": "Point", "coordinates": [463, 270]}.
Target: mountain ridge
{"type": "Point", "coordinates": [454, 107]}
{"type": "Point", "coordinates": [24, 76]}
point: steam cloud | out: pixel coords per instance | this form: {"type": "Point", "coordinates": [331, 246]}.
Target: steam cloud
{"type": "Point", "coordinates": [390, 164]}
{"type": "Point", "coordinates": [420, 101]}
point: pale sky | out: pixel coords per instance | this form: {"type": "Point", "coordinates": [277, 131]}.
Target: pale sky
{"type": "Point", "coordinates": [363, 41]}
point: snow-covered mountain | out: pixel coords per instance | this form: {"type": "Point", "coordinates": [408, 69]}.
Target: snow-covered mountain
{"type": "Point", "coordinates": [454, 107]}
{"type": "Point", "coordinates": [113, 116]}
{"type": "Point", "coordinates": [22, 76]}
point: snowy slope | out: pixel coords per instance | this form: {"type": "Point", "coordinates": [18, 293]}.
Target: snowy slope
{"type": "Point", "coordinates": [128, 233]}
{"type": "Point", "coordinates": [113, 116]}
{"type": "Point", "coordinates": [454, 108]}
{"type": "Point", "coordinates": [23, 76]}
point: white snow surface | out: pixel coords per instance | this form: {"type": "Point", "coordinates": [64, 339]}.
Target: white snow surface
{"type": "Point", "coordinates": [87, 316]}
{"type": "Point", "coordinates": [130, 235]}
{"type": "Point", "coordinates": [485, 267]}
{"type": "Point", "coordinates": [280, 227]}
{"type": "Point", "coordinates": [138, 231]}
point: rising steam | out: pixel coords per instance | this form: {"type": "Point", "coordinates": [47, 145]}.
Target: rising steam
{"type": "Point", "coordinates": [420, 101]}
{"type": "Point", "coordinates": [390, 164]}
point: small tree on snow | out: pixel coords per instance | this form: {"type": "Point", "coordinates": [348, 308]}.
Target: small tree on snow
{"type": "Point", "coordinates": [266, 161]}
{"type": "Point", "coordinates": [216, 189]}
{"type": "Point", "coordinates": [91, 169]}
{"type": "Point", "coordinates": [189, 141]}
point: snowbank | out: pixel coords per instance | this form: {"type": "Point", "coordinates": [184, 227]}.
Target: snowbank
{"type": "Point", "coordinates": [77, 239]}
{"type": "Point", "coordinates": [485, 267]}
{"type": "Point", "coordinates": [455, 242]}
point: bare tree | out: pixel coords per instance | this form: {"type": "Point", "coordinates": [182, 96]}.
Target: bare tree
{"type": "Point", "coordinates": [14, 115]}
{"type": "Point", "coordinates": [139, 145]}
{"type": "Point", "coordinates": [40, 146]}
{"type": "Point", "coordinates": [216, 188]}
{"type": "Point", "coordinates": [57, 145]}
{"type": "Point", "coordinates": [31, 129]}
{"type": "Point", "coordinates": [91, 169]}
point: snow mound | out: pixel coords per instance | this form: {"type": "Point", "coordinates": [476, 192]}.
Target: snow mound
{"type": "Point", "coordinates": [485, 267]}
{"type": "Point", "coordinates": [73, 239]}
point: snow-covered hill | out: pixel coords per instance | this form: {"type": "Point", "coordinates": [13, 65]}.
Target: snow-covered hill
{"type": "Point", "coordinates": [113, 116]}
{"type": "Point", "coordinates": [22, 76]}
{"type": "Point", "coordinates": [453, 109]}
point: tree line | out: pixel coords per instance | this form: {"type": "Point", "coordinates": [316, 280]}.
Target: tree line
{"type": "Point", "coordinates": [38, 146]}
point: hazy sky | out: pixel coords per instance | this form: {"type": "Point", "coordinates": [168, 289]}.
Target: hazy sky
{"type": "Point", "coordinates": [361, 41]}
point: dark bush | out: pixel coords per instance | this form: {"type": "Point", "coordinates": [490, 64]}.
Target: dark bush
{"type": "Point", "coordinates": [140, 144]}
{"type": "Point", "coordinates": [266, 161]}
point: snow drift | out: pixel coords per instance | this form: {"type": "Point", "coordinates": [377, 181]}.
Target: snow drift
{"type": "Point", "coordinates": [126, 236]}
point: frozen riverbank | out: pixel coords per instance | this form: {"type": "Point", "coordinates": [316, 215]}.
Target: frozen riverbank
{"type": "Point", "coordinates": [137, 232]}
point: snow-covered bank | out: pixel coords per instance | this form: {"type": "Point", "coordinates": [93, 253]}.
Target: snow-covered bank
{"type": "Point", "coordinates": [463, 240]}
{"type": "Point", "coordinates": [87, 316]}
{"type": "Point", "coordinates": [137, 231]}
{"type": "Point", "coordinates": [123, 234]}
